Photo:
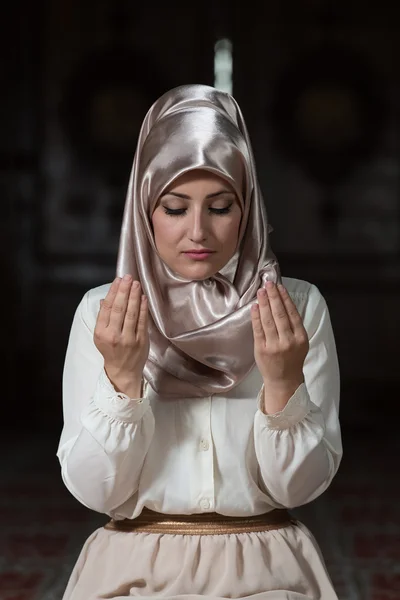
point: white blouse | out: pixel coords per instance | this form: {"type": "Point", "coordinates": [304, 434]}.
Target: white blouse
{"type": "Point", "coordinates": [219, 453]}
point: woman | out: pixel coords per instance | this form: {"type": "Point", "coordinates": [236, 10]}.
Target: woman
{"type": "Point", "coordinates": [200, 394]}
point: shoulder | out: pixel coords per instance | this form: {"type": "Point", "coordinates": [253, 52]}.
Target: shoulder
{"type": "Point", "coordinates": [89, 306]}
{"type": "Point", "coordinates": [299, 287]}
{"type": "Point", "coordinates": [309, 302]}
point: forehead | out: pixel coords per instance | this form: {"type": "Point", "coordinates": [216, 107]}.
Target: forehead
{"type": "Point", "coordinates": [197, 177]}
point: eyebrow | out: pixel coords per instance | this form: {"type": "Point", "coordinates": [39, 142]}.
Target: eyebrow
{"type": "Point", "coordinates": [185, 197]}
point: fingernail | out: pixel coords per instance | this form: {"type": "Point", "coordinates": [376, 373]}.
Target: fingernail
{"type": "Point", "coordinates": [135, 284]}
{"type": "Point", "coordinates": [269, 285]}
{"type": "Point", "coordinates": [261, 292]}
{"type": "Point", "coordinates": [127, 277]}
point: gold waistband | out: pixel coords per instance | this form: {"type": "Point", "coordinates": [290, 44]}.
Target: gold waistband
{"type": "Point", "coordinates": [201, 524]}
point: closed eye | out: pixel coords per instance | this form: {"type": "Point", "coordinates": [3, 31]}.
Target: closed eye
{"type": "Point", "coordinates": [178, 212]}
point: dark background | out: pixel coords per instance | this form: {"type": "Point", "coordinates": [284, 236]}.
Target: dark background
{"type": "Point", "coordinates": [318, 83]}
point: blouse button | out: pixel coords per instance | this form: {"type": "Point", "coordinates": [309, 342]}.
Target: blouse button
{"type": "Point", "coordinates": [205, 504]}
{"type": "Point", "coordinates": [204, 445]}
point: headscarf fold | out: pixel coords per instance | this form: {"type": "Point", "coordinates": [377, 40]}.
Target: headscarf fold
{"type": "Point", "coordinates": [201, 340]}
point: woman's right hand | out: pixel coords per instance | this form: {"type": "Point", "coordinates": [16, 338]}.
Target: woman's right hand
{"type": "Point", "coordinates": [121, 335]}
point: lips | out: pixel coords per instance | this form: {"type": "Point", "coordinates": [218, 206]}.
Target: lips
{"type": "Point", "coordinates": [201, 251]}
{"type": "Point", "coordinates": [199, 254]}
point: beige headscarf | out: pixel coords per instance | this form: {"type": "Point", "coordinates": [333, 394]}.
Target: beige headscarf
{"type": "Point", "coordinates": [201, 339]}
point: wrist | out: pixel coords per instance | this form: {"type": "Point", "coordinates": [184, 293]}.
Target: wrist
{"type": "Point", "coordinates": [278, 393]}
{"type": "Point", "coordinates": [128, 383]}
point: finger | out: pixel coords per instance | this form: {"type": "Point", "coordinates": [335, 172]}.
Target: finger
{"type": "Point", "coordinates": [120, 304]}
{"type": "Point", "coordinates": [142, 328]}
{"type": "Point", "coordinates": [132, 311]}
{"type": "Point", "coordinates": [293, 314]}
{"type": "Point", "coordinates": [258, 331]}
{"type": "Point", "coordinates": [278, 311]}
{"type": "Point", "coordinates": [103, 318]}
{"type": "Point", "coordinates": [267, 319]}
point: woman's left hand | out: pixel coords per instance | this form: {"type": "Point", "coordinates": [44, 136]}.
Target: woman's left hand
{"type": "Point", "coordinates": [280, 345]}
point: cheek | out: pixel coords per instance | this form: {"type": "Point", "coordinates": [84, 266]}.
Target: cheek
{"type": "Point", "coordinates": [157, 229]}
{"type": "Point", "coordinates": [164, 231]}
{"type": "Point", "coordinates": [230, 231]}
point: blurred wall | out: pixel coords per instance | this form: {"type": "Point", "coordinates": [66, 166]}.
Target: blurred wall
{"type": "Point", "coordinates": [80, 78]}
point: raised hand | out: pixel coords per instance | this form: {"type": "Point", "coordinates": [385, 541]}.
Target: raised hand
{"type": "Point", "coordinates": [280, 345]}
{"type": "Point", "coordinates": [121, 335]}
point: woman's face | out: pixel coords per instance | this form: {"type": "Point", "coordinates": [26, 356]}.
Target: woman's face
{"type": "Point", "coordinates": [196, 224]}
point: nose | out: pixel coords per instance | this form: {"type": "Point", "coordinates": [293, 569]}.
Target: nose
{"type": "Point", "coordinates": [198, 226]}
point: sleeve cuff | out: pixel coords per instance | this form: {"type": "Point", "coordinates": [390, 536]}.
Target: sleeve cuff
{"type": "Point", "coordinates": [119, 406]}
{"type": "Point", "coordinates": [298, 406]}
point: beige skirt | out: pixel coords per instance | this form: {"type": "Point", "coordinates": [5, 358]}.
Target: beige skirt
{"type": "Point", "coordinates": [278, 563]}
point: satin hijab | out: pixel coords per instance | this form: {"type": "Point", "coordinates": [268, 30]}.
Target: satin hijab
{"type": "Point", "coordinates": [201, 340]}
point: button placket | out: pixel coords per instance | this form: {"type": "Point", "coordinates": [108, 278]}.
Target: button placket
{"type": "Point", "coordinates": [206, 461]}
{"type": "Point", "coordinates": [205, 504]}
{"type": "Point", "coordinates": [204, 445]}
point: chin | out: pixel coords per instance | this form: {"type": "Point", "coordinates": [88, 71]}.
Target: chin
{"type": "Point", "coordinates": [198, 273]}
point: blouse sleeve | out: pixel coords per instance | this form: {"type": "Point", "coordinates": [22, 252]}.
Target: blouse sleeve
{"type": "Point", "coordinates": [299, 449]}
{"type": "Point", "coordinates": [106, 435]}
